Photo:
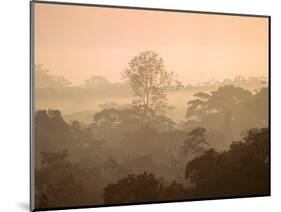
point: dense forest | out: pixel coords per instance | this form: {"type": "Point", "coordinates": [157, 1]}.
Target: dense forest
{"type": "Point", "coordinates": [149, 138]}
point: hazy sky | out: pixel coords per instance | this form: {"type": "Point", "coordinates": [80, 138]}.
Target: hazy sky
{"type": "Point", "coordinates": [79, 42]}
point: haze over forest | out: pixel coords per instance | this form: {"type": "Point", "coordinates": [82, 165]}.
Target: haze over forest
{"type": "Point", "coordinates": [78, 102]}
{"type": "Point", "coordinates": [136, 106]}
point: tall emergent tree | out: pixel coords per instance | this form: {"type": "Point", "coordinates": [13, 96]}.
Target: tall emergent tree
{"type": "Point", "coordinates": [150, 80]}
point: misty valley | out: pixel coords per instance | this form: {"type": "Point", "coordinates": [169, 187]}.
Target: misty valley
{"type": "Point", "coordinates": [148, 138]}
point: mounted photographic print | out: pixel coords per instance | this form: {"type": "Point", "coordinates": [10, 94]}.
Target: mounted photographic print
{"type": "Point", "coordinates": [138, 105]}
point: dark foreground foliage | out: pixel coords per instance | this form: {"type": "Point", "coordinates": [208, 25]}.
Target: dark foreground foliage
{"type": "Point", "coordinates": [142, 188]}
{"type": "Point", "coordinates": [243, 170]}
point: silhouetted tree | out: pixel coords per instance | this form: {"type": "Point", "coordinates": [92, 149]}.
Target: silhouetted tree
{"type": "Point", "coordinates": [58, 181]}
{"type": "Point", "coordinates": [256, 109]}
{"type": "Point", "coordinates": [230, 109]}
{"type": "Point", "coordinates": [242, 170]}
{"type": "Point", "coordinates": [222, 100]}
{"type": "Point", "coordinates": [52, 133]}
{"type": "Point", "coordinates": [142, 188]}
{"type": "Point", "coordinates": [150, 80]}
{"type": "Point", "coordinates": [195, 144]}
{"type": "Point", "coordinates": [129, 119]}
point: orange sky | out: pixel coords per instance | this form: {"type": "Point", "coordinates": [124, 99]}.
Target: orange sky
{"type": "Point", "coordinates": [79, 42]}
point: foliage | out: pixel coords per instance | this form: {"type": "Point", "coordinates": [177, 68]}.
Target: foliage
{"type": "Point", "coordinates": [150, 80]}
{"type": "Point", "coordinates": [117, 157]}
{"type": "Point", "coordinates": [130, 119]}
{"type": "Point", "coordinates": [195, 144]}
{"type": "Point", "coordinates": [242, 170]}
{"type": "Point", "coordinates": [230, 109]}
{"type": "Point", "coordinates": [58, 182]}
{"type": "Point", "coordinates": [89, 172]}
{"type": "Point", "coordinates": [220, 101]}
{"type": "Point", "coordinates": [142, 188]}
{"type": "Point", "coordinates": [52, 133]}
